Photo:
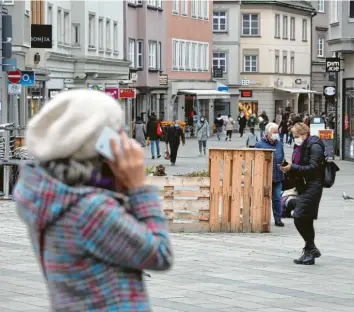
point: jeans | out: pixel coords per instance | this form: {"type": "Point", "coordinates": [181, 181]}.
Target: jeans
{"type": "Point", "coordinates": [282, 137]}
{"type": "Point", "coordinates": [218, 132]}
{"type": "Point", "coordinates": [290, 139]}
{"type": "Point", "coordinates": [153, 143]}
{"type": "Point", "coordinates": [202, 145]}
{"type": "Point", "coordinates": [262, 132]}
{"type": "Point", "coordinates": [276, 198]}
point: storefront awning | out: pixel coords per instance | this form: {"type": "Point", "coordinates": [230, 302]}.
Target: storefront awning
{"type": "Point", "coordinates": [206, 94]}
{"type": "Point", "coordinates": [295, 90]}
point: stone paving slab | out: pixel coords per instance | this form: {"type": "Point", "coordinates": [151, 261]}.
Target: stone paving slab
{"type": "Point", "coordinates": [219, 272]}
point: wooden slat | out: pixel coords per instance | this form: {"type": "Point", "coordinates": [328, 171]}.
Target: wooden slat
{"type": "Point", "coordinates": [267, 200]}
{"type": "Point", "coordinates": [214, 166]}
{"type": "Point", "coordinates": [236, 192]}
{"type": "Point", "coordinates": [178, 181]}
{"type": "Point", "coordinates": [226, 192]}
{"type": "Point", "coordinates": [246, 211]}
{"type": "Point", "coordinates": [187, 205]}
{"type": "Point", "coordinates": [183, 215]}
{"type": "Point", "coordinates": [184, 193]}
{"type": "Point", "coordinates": [258, 192]}
{"type": "Point", "coordinates": [195, 227]}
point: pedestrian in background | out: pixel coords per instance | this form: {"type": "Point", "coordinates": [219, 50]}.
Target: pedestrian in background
{"type": "Point", "coordinates": [219, 122]}
{"type": "Point", "coordinates": [203, 133]}
{"type": "Point", "coordinates": [173, 138]}
{"type": "Point", "coordinates": [252, 139]}
{"type": "Point", "coordinates": [307, 170]}
{"type": "Point", "coordinates": [283, 128]}
{"type": "Point", "coordinates": [263, 121]}
{"type": "Point", "coordinates": [139, 132]}
{"type": "Point", "coordinates": [153, 137]}
{"type": "Point", "coordinates": [271, 141]}
{"type": "Point", "coordinates": [242, 121]}
{"type": "Point", "coordinates": [94, 224]}
{"type": "Point", "coordinates": [252, 121]}
{"type": "Point", "coordinates": [229, 127]}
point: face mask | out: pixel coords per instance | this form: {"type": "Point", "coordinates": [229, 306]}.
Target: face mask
{"type": "Point", "coordinates": [298, 141]}
{"type": "Point", "coordinates": [176, 125]}
{"type": "Point", "coordinates": [275, 137]}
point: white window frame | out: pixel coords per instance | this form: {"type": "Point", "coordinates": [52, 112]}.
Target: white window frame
{"type": "Point", "coordinates": [194, 6]}
{"type": "Point", "coordinates": [140, 54]}
{"type": "Point", "coordinates": [219, 16]}
{"type": "Point", "coordinates": [205, 10]}
{"type": "Point", "coordinates": [320, 47]}
{"type": "Point", "coordinates": [219, 56]}
{"type": "Point", "coordinates": [190, 55]}
{"type": "Point", "coordinates": [250, 24]}
{"type": "Point", "coordinates": [101, 33]}
{"type": "Point", "coordinates": [75, 35]}
{"type": "Point", "coordinates": [108, 35]}
{"type": "Point", "coordinates": [131, 52]}
{"type": "Point", "coordinates": [321, 6]}
{"type": "Point", "coordinates": [60, 25]}
{"type": "Point", "coordinates": [292, 28]}
{"type": "Point", "coordinates": [304, 30]}
{"type": "Point", "coordinates": [115, 36]}
{"type": "Point", "coordinates": [50, 14]}
{"type": "Point", "coordinates": [277, 25]}
{"type": "Point", "coordinates": [92, 31]}
{"type": "Point", "coordinates": [66, 28]}
{"type": "Point", "coordinates": [200, 9]}
{"type": "Point", "coordinates": [285, 27]}
{"type": "Point", "coordinates": [175, 7]}
{"type": "Point", "coordinates": [285, 64]}
{"type": "Point", "coordinates": [276, 63]}
{"type": "Point", "coordinates": [292, 64]}
{"type": "Point", "coordinates": [159, 55]}
{"type": "Point", "coordinates": [152, 46]}
{"type": "Point", "coordinates": [252, 58]}
{"type": "Point", "coordinates": [184, 7]}
{"type": "Point", "coordinates": [333, 12]}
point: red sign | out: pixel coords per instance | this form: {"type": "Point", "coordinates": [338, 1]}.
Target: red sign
{"type": "Point", "coordinates": [14, 76]}
{"type": "Point", "coordinates": [346, 122]}
{"type": "Point", "coordinates": [246, 93]}
{"type": "Point", "coordinates": [127, 93]}
{"type": "Point", "coordinates": [113, 92]}
{"type": "Point", "coordinates": [326, 134]}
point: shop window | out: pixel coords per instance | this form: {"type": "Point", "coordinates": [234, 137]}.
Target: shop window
{"type": "Point", "coordinates": [248, 107]}
{"type": "Point", "coordinates": [348, 120]}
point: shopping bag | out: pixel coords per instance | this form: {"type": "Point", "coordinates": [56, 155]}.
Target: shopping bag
{"type": "Point", "coordinates": [167, 153]}
{"type": "Point", "coordinates": [147, 142]}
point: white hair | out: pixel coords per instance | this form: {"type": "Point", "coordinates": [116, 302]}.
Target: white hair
{"type": "Point", "coordinates": [270, 126]}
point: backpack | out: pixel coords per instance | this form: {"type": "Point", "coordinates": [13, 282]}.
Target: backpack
{"type": "Point", "coordinates": [330, 172]}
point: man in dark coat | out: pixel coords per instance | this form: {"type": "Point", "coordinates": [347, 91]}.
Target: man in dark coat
{"type": "Point", "coordinates": [308, 174]}
{"type": "Point", "coordinates": [174, 137]}
{"type": "Point", "coordinates": [219, 123]}
{"type": "Point", "coordinates": [271, 141]}
{"type": "Point", "coordinates": [242, 120]}
{"type": "Point", "coordinates": [151, 131]}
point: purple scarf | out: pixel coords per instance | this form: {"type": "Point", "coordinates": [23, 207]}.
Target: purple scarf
{"type": "Point", "coordinates": [102, 182]}
{"type": "Point", "coordinates": [297, 153]}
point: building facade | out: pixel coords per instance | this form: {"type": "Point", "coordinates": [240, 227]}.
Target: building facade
{"type": "Point", "coordinates": [226, 53]}
{"type": "Point", "coordinates": [319, 77]}
{"type": "Point", "coordinates": [341, 42]}
{"type": "Point", "coordinates": [275, 57]}
{"type": "Point", "coordinates": [144, 39]}
{"type": "Point", "coordinates": [189, 63]}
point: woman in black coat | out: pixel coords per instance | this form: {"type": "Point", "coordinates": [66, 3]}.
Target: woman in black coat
{"type": "Point", "coordinates": [307, 170]}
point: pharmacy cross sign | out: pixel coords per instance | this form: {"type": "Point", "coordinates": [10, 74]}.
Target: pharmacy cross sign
{"type": "Point", "coordinates": [14, 76]}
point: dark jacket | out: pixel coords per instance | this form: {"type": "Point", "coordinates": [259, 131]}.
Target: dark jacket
{"type": "Point", "coordinates": [252, 122]}
{"type": "Point", "coordinates": [219, 122]}
{"type": "Point", "coordinates": [278, 157]}
{"type": "Point", "coordinates": [265, 122]}
{"type": "Point", "coordinates": [151, 129]}
{"type": "Point", "coordinates": [174, 136]}
{"type": "Point", "coordinates": [309, 175]}
{"type": "Point", "coordinates": [242, 121]}
{"type": "Point", "coordinates": [283, 127]}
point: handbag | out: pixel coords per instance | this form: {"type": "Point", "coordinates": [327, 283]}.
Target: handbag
{"type": "Point", "coordinates": [167, 153]}
{"type": "Point", "coordinates": [159, 130]}
{"type": "Point", "coordinates": [330, 172]}
{"type": "Point", "coordinates": [147, 142]}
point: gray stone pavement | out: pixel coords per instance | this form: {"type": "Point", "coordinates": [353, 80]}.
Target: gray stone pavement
{"type": "Point", "coordinates": [219, 272]}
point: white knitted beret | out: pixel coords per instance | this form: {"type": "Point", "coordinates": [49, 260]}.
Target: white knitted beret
{"type": "Point", "coordinates": [70, 124]}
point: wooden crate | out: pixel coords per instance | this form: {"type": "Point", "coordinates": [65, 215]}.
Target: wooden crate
{"type": "Point", "coordinates": [185, 202]}
{"type": "Point", "coordinates": [241, 204]}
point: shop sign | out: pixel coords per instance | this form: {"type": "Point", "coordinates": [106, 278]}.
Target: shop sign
{"type": "Point", "coordinates": [298, 81]}
{"type": "Point", "coordinates": [247, 82]}
{"type": "Point", "coordinates": [113, 92]}
{"type": "Point", "coordinates": [163, 80]}
{"type": "Point", "coordinates": [329, 91]}
{"type": "Point", "coordinates": [14, 89]}
{"type": "Point", "coordinates": [127, 93]}
{"type": "Point", "coordinates": [41, 36]}
{"type": "Point", "coordinates": [332, 64]}
{"type": "Point", "coordinates": [327, 137]}
{"type": "Point", "coordinates": [28, 78]}
{"type": "Point", "coordinates": [96, 88]}
{"type": "Point", "coordinates": [246, 93]}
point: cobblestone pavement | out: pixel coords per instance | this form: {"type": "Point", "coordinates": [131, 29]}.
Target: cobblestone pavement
{"type": "Point", "coordinates": [219, 272]}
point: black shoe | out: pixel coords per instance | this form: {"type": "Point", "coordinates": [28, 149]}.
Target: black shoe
{"type": "Point", "coordinates": [279, 223]}
{"type": "Point", "coordinates": [159, 156]}
{"type": "Point", "coordinates": [307, 258]}
{"type": "Point", "coordinates": [153, 157]}
{"type": "Point", "coordinates": [315, 252]}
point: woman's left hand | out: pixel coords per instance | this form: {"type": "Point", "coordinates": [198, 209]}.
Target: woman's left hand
{"type": "Point", "coordinates": [286, 168]}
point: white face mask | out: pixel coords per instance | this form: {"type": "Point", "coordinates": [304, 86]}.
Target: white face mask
{"type": "Point", "coordinates": [275, 137]}
{"type": "Point", "coordinates": [298, 141]}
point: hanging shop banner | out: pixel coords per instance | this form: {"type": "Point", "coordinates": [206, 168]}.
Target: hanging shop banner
{"type": "Point", "coordinates": [327, 137]}
{"type": "Point", "coordinates": [127, 93]}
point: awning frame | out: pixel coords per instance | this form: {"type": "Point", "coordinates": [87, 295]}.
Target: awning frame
{"type": "Point", "coordinates": [206, 94]}
{"type": "Point", "coordinates": [295, 90]}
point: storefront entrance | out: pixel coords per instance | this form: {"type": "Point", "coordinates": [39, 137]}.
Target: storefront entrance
{"type": "Point", "coordinates": [348, 119]}
{"type": "Point", "coordinates": [248, 107]}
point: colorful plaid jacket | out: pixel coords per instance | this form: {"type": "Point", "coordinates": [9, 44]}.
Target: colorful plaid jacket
{"type": "Point", "coordinates": [95, 246]}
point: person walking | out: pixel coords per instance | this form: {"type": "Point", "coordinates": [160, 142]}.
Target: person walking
{"type": "Point", "coordinates": [219, 122]}
{"type": "Point", "coordinates": [94, 224]}
{"type": "Point", "coordinates": [229, 127]}
{"type": "Point", "coordinates": [154, 138]}
{"type": "Point", "coordinates": [252, 121]}
{"type": "Point", "coordinates": [283, 128]}
{"type": "Point", "coordinates": [173, 138]}
{"type": "Point", "coordinates": [252, 139]}
{"type": "Point", "coordinates": [271, 140]}
{"type": "Point", "coordinates": [242, 123]}
{"type": "Point", "coordinates": [139, 132]}
{"type": "Point", "coordinates": [307, 170]}
{"type": "Point", "coordinates": [203, 133]}
{"type": "Point", "coordinates": [263, 121]}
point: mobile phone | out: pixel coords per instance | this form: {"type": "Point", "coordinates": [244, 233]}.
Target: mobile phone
{"type": "Point", "coordinates": [103, 143]}
{"type": "Point", "coordinates": [284, 163]}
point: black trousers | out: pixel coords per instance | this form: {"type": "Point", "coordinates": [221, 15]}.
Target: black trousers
{"type": "Point", "coordinates": [242, 130]}
{"type": "Point", "coordinates": [173, 151]}
{"type": "Point", "coordinates": [229, 133]}
{"type": "Point", "coordinates": [306, 229]}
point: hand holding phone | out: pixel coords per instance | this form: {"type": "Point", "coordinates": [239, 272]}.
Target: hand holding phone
{"type": "Point", "coordinates": [103, 144]}
{"type": "Point", "coordinates": [284, 163]}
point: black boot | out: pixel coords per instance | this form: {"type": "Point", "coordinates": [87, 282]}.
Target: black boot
{"type": "Point", "coordinates": [307, 258]}
{"type": "Point", "coordinates": [314, 251]}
